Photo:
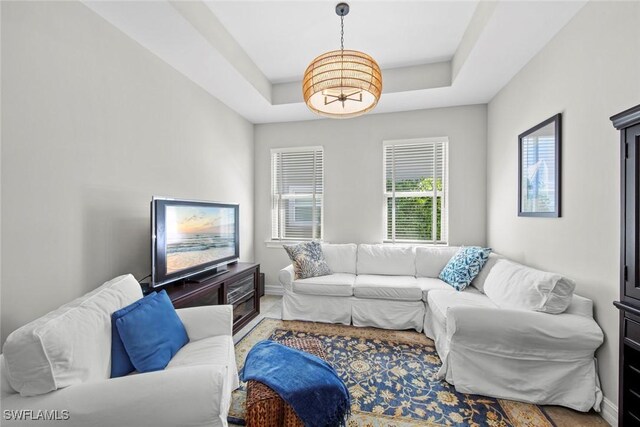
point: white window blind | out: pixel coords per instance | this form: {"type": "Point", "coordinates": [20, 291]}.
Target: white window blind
{"type": "Point", "coordinates": [416, 190]}
{"type": "Point", "coordinates": [297, 186]}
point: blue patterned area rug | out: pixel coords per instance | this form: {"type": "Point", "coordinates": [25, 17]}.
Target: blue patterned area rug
{"type": "Point", "coordinates": [390, 375]}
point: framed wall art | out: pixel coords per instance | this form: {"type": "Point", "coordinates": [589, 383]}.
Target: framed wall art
{"type": "Point", "coordinates": [539, 169]}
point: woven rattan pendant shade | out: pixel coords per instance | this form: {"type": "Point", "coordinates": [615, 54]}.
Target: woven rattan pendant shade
{"type": "Point", "coordinates": [342, 84]}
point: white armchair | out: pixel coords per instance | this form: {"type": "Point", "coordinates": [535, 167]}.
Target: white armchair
{"type": "Point", "coordinates": [193, 390]}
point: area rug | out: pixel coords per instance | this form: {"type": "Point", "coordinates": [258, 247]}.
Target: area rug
{"type": "Point", "coordinates": [391, 378]}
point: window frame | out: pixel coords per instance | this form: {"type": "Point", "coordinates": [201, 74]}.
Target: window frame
{"type": "Point", "coordinates": [279, 239]}
{"type": "Point", "coordinates": [444, 232]}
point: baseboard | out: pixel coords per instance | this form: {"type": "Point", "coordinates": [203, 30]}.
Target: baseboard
{"type": "Point", "coordinates": [609, 412]}
{"type": "Point", "coordinates": [273, 290]}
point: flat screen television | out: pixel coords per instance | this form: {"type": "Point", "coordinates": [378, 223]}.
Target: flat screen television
{"type": "Point", "coordinates": [191, 238]}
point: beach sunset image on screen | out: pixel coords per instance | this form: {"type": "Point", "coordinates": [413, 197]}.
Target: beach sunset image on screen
{"type": "Point", "coordinates": [197, 235]}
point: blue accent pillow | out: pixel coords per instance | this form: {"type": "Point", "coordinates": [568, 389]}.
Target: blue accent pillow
{"type": "Point", "coordinates": [464, 266]}
{"type": "Point", "coordinates": [151, 332]}
{"type": "Point", "coordinates": [120, 361]}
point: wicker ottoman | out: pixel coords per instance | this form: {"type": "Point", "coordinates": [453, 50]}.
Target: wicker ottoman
{"type": "Point", "coordinates": [265, 408]}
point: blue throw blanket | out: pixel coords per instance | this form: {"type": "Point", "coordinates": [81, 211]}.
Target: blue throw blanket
{"type": "Point", "coordinates": [307, 383]}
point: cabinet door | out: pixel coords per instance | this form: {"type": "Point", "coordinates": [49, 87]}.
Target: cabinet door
{"type": "Point", "coordinates": [632, 213]}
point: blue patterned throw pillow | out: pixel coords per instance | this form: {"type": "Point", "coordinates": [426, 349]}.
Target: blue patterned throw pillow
{"type": "Point", "coordinates": [464, 266]}
{"type": "Point", "coordinates": [308, 260]}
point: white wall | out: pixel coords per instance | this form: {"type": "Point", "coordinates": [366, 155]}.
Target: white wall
{"type": "Point", "coordinates": [588, 72]}
{"type": "Point", "coordinates": [354, 199]}
{"type": "Point", "coordinates": [93, 125]}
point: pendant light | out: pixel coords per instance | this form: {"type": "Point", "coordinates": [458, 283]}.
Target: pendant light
{"type": "Point", "coordinates": [342, 83]}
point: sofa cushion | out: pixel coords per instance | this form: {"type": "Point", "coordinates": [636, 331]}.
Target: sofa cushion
{"type": "Point", "coordinates": [516, 286]}
{"type": "Point", "coordinates": [151, 331]}
{"type": "Point", "coordinates": [464, 266]}
{"type": "Point", "coordinates": [428, 284]}
{"type": "Point", "coordinates": [481, 278]}
{"type": "Point", "coordinates": [387, 260]}
{"type": "Point", "coordinates": [400, 288]}
{"type": "Point", "coordinates": [307, 259]}
{"type": "Point", "coordinates": [216, 350]}
{"type": "Point", "coordinates": [337, 284]}
{"type": "Point", "coordinates": [439, 301]}
{"type": "Point", "coordinates": [341, 258]}
{"type": "Point", "coordinates": [430, 260]}
{"type": "Point", "coordinates": [70, 345]}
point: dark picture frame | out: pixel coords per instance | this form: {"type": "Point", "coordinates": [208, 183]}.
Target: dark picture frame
{"type": "Point", "coordinates": [539, 157]}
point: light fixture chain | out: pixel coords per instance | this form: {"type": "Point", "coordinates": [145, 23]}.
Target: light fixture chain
{"type": "Point", "coordinates": [342, 32]}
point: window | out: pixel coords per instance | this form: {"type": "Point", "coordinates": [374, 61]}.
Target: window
{"type": "Point", "coordinates": [297, 185]}
{"type": "Point", "coordinates": [416, 190]}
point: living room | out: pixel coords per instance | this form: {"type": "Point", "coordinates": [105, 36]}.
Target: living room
{"type": "Point", "coordinates": [112, 111]}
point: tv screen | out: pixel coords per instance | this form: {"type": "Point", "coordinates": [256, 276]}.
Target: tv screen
{"type": "Point", "coordinates": [191, 237]}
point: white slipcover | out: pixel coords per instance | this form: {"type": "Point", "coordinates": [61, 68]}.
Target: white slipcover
{"type": "Point", "coordinates": [183, 396]}
{"type": "Point", "coordinates": [431, 260]}
{"type": "Point", "coordinates": [286, 276]}
{"type": "Point", "coordinates": [485, 349]}
{"type": "Point", "coordinates": [401, 288]}
{"type": "Point", "coordinates": [386, 314]}
{"type": "Point", "coordinates": [341, 258]}
{"type": "Point", "coordinates": [194, 390]}
{"type": "Point", "coordinates": [481, 278]}
{"type": "Point", "coordinates": [515, 354]}
{"type": "Point", "coordinates": [513, 285]}
{"type": "Point", "coordinates": [315, 308]}
{"type": "Point", "coordinates": [70, 345]}
{"type": "Point", "coordinates": [337, 284]}
{"type": "Point", "coordinates": [386, 260]}
{"type": "Point", "coordinates": [428, 284]}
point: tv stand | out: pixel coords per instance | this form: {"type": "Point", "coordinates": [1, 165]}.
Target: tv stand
{"type": "Point", "coordinates": [236, 286]}
{"type": "Point", "coordinates": [207, 275]}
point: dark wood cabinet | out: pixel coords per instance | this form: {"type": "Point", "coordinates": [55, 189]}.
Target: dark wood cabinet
{"type": "Point", "coordinates": [239, 287]}
{"type": "Point", "coordinates": [628, 123]}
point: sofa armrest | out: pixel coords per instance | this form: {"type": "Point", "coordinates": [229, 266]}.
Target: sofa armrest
{"type": "Point", "coordinates": [286, 277]}
{"type": "Point", "coordinates": [207, 321]}
{"type": "Point", "coordinates": [189, 396]}
{"type": "Point", "coordinates": [523, 333]}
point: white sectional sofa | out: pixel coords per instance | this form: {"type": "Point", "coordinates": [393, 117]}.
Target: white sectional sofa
{"type": "Point", "coordinates": [506, 353]}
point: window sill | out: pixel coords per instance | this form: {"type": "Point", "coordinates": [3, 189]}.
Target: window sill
{"type": "Point", "coordinates": [415, 243]}
{"type": "Point", "coordinates": [280, 243]}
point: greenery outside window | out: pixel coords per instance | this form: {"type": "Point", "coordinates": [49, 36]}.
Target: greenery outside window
{"type": "Point", "coordinates": [415, 190]}
{"type": "Point", "coordinates": [297, 188]}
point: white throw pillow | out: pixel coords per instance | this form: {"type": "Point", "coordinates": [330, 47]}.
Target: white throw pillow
{"type": "Point", "coordinates": [512, 285]}
{"type": "Point", "coordinates": [70, 345]}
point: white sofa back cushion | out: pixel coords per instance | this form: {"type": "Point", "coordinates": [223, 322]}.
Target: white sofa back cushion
{"type": "Point", "coordinates": [341, 258]}
{"type": "Point", "coordinates": [70, 345]}
{"type": "Point", "coordinates": [481, 278]}
{"type": "Point", "coordinates": [512, 285]}
{"type": "Point", "coordinates": [386, 260]}
{"type": "Point", "coordinates": [431, 260]}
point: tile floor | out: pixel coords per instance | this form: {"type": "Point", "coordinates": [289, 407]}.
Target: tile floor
{"type": "Point", "coordinates": [270, 306]}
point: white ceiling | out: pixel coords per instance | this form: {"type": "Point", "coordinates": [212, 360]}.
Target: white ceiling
{"type": "Point", "coordinates": [251, 54]}
{"type": "Point", "coordinates": [282, 37]}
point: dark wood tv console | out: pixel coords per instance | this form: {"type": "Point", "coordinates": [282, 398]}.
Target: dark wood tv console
{"type": "Point", "coordinates": [239, 286]}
